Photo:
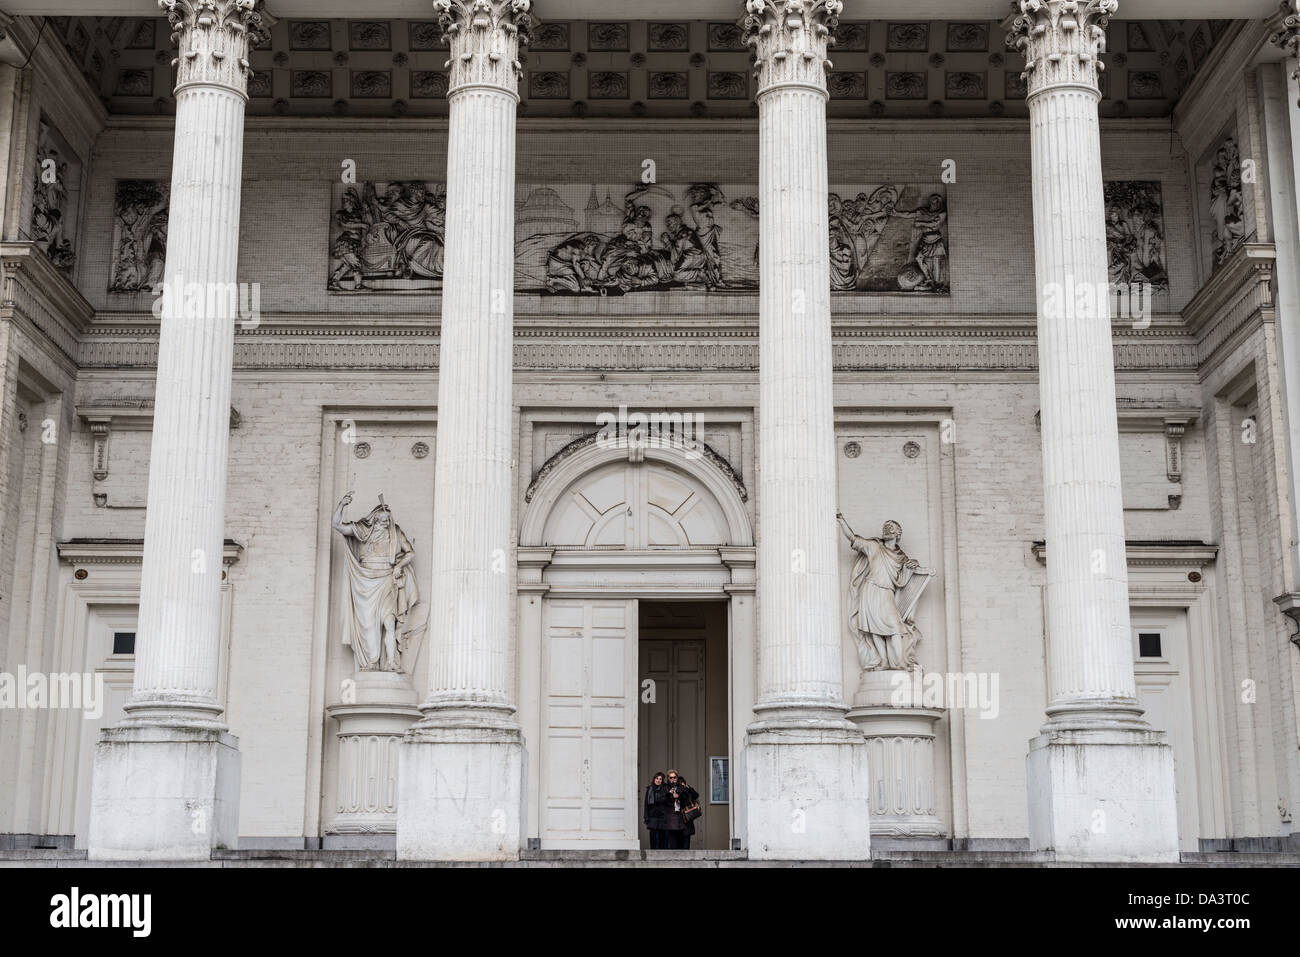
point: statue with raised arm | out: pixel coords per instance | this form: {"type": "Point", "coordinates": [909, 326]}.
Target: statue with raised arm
{"type": "Point", "coordinates": [883, 591]}
{"type": "Point", "coordinates": [380, 592]}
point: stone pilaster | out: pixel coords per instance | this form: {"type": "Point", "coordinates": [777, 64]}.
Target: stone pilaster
{"type": "Point", "coordinates": [1100, 780]}
{"type": "Point", "coordinates": [808, 786]}
{"type": "Point", "coordinates": [468, 742]}
{"type": "Point", "coordinates": [163, 777]}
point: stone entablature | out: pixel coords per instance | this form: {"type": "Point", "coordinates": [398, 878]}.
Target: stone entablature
{"type": "Point", "coordinates": [639, 68]}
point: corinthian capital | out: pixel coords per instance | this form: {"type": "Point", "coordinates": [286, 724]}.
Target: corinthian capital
{"type": "Point", "coordinates": [484, 36]}
{"type": "Point", "coordinates": [213, 38]}
{"type": "Point", "coordinates": [1287, 32]}
{"type": "Point", "coordinates": [1062, 41]}
{"type": "Point", "coordinates": [790, 39]}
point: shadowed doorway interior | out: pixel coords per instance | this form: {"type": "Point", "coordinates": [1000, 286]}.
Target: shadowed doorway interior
{"type": "Point", "coordinates": [683, 650]}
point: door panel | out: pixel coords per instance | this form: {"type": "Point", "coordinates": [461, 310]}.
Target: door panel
{"type": "Point", "coordinates": [589, 733]}
{"type": "Point", "coordinates": [1163, 688]}
{"type": "Point", "coordinates": [672, 727]}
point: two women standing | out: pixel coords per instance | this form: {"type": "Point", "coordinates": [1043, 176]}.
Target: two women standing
{"type": "Point", "coordinates": [671, 807]}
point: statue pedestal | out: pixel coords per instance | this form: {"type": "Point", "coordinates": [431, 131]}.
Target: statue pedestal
{"type": "Point", "coordinates": [378, 708]}
{"type": "Point", "coordinates": [900, 755]}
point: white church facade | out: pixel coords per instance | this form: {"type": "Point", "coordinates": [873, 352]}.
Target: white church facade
{"type": "Point", "coordinates": [417, 431]}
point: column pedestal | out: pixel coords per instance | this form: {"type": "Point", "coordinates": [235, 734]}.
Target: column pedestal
{"type": "Point", "coordinates": [460, 794]}
{"type": "Point", "coordinates": [370, 733]}
{"type": "Point", "coordinates": [900, 755]}
{"type": "Point", "coordinates": [1103, 795]}
{"type": "Point", "coordinates": [163, 794]}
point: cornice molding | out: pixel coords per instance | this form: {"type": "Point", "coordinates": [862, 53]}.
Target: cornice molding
{"type": "Point", "coordinates": [1141, 554]}
{"type": "Point", "coordinates": [1236, 298]}
{"type": "Point", "coordinates": [124, 551]}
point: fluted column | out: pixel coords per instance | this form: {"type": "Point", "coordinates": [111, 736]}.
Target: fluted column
{"type": "Point", "coordinates": [1085, 812]}
{"type": "Point", "coordinates": [173, 713]}
{"type": "Point", "coordinates": [807, 786]}
{"type": "Point", "coordinates": [468, 736]}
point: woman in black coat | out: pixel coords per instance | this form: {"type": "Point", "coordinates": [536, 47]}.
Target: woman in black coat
{"type": "Point", "coordinates": [654, 812]}
{"type": "Point", "coordinates": [677, 795]}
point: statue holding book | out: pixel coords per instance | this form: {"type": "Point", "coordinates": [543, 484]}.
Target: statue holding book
{"type": "Point", "coordinates": [884, 588]}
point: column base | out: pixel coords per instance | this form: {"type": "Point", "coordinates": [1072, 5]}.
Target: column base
{"type": "Point", "coordinates": [161, 793]}
{"type": "Point", "coordinates": [372, 723]}
{"type": "Point", "coordinates": [900, 752]}
{"type": "Point", "coordinates": [1103, 796]}
{"type": "Point", "coordinates": [808, 793]}
{"type": "Point", "coordinates": [459, 793]}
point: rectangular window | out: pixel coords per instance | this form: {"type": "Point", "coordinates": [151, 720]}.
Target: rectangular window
{"type": "Point", "coordinates": [124, 642]}
{"type": "Point", "coordinates": [1149, 644]}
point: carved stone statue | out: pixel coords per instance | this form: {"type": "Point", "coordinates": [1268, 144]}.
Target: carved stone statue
{"type": "Point", "coordinates": [380, 600]}
{"type": "Point", "coordinates": [884, 589]}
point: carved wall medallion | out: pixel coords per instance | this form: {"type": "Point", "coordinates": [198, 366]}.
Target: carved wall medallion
{"type": "Point", "coordinates": [846, 85]}
{"type": "Point", "coordinates": [1135, 234]}
{"type": "Point", "coordinates": [908, 37]}
{"type": "Point", "coordinates": [667, 86]}
{"type": "Point", "coordinates": [728, 86]}
{"type": "Point", "coordinates": [668, 37]}
{"type": "Point", "coordinates": [143, 37]}
{"type": "Point", "coordinates": [425, 35]}
{"type": "Point", "coordinates": [309, 35]}
{"type": "Point", "coordinates": [361, 450]}
{"type": "Point", "coordinates": [420, 450]}
{"type": "Point", "coordinates": [369, 35]}
{"type": "Point", "coordinates": [906, 86]}
{"type": "Point", "coordinates": [134, 83]}
{"type": "Point", "coordinates": [911, 450]}
{"type": "Point", "coordinates": [550, 37]}
{"type": "Point", "coordinates": [607, 36]}
{"type": "Point", "coordinates": [851, 37]}
{"type": "Point", "coordinates": [1145, 85]}
{"type": "Point", "coordinates": [548, 85]}
{"type": "Point", "coordinates": [968, 37]}
{"type": "Point", "coordinates": [964, 86]}
{"type": "Point", "coordinates": [372, 84]}
{"type": "Point", "coordinates": [607, 85]}
{"type": "Point", "coordinates": [140, 211]}
{"type": "Point", "coordinates": [310, 83]}
{"type": "Point", "coordinates": [852, 449]}
{"type": "Point", "coordinates": [726, 37]}
{"type": "Point", "coordinates": [428, 84]}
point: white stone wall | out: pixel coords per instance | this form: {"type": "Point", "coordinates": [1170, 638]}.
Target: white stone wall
{"type": "Point", "coordinates": [275, 485]}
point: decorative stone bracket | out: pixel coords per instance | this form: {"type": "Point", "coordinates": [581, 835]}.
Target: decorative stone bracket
{"type": "Point", "coordinates": [1174, 422]}
{"type": "Point", "coordinates": [103, 418]}
{"type": "Point", "coordinates": [1290, 606]}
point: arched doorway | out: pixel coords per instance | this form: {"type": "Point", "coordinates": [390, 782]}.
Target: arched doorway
{"type": "Point", "coordinates": [606, 528]}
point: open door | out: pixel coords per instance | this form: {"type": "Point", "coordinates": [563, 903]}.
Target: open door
{"type": "Point", "coordinates": [589, 735]}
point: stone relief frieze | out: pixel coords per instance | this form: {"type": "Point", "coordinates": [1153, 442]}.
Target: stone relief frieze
{"type": "Point", "coordinates": [1227, 208]}
{"type": "Point", "coordinates": [387, 236]}
{"type": "Point", "coordinates": [1135, 234]}
{"type": "Point", "coordinates": [580, 240]}
{"type": "Point", "coordinates": [140, 211]}
{"type": "Point", "coordinates": [58, 173]}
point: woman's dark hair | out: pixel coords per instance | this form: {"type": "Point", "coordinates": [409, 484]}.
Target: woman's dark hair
{"type": "Point", "coordinates": [657, 774]}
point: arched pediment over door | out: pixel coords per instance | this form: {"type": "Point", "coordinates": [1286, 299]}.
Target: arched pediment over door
{"type": "Point", "coordinates": [618, 497]}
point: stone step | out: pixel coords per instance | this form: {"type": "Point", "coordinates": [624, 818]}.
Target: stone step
{"type": "Point", "coordinates": [635, 858]}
